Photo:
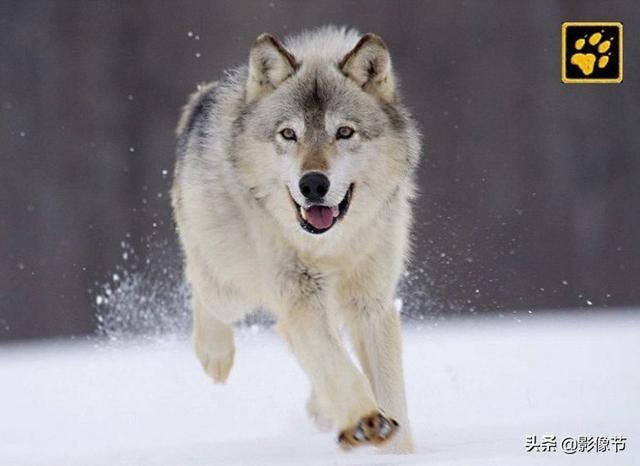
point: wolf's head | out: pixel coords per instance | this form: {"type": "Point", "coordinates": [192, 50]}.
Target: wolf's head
{"type": "Point", "coordinates": [323, 142]}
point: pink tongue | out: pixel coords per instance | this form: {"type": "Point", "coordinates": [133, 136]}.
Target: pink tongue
{"type": "Point", "coordinates": [320, 217]}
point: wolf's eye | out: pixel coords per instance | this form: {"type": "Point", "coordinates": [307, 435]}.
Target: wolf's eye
{"type": "Point", "coordinates": [344, 132]}
{"type": "Point", "coordinates": [288, 134]}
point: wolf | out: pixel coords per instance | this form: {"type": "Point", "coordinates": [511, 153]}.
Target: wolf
{"type": "Point", "coordinates": [292, 192]}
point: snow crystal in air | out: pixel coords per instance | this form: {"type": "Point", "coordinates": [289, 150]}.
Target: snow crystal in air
{"type": "Point", "coordinates": [147, 299]}
{"type": "Point", "coordinates": [397, 303]}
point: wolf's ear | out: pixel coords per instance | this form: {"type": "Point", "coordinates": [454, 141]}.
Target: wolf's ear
{"type": "Point", "coordinates": [369, 65]}
{"type": "Point", "coordinates": [269, 64]}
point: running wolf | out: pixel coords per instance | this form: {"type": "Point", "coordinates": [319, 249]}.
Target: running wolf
{"type": "Point", "coordinates": [292, 192]}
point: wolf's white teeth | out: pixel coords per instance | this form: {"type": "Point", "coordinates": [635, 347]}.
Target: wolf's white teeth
{"type": "Point", "coordinates": [303, 213]}
{"type": "Point", "coordinates": [335, 211]}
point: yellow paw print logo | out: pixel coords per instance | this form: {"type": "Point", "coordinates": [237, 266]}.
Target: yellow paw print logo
{"type": "Point", "coordinates": [591, 52]}
{"type": "Point", "coordinates": [587, 61]}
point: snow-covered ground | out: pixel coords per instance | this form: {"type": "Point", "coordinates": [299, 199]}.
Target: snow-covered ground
{"type": "Point", "coordinates": [476, 389]}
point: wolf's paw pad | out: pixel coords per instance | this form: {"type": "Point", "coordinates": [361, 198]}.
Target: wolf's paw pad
{"type": "Point", "coordinates": [374, 429]}
{"type": "Point", "coordinates": [587, 61]}
{"type": "Point", "coordinates": [216, 366]}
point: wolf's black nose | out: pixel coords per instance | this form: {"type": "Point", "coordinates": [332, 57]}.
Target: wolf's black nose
{"type": "Point", "coordinates": [314, 186]}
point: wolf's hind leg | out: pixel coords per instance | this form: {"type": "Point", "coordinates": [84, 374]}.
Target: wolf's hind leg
{"type": "Point", "coordinates": [319, 412]}
{"type": "Point", "coordinates": [213, 342]}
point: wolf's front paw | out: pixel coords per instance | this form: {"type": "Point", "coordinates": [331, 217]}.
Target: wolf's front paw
{"type": "Point", "coordinates": [374, 429]}
{"type": "Point", "coordinates": [217, 365]}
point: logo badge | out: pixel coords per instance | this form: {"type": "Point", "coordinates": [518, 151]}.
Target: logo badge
{"type": "Point", "coordinates": [591, 53]}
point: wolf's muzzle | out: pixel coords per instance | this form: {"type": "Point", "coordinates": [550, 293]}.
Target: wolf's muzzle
{"type": "Point", "coordinates": [319, 218]}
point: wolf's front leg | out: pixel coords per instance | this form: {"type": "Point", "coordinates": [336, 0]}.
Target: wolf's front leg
{"type": "Point", "coordinates": [316, 343]}
{"type": "Point", "coordinates": [375, 332]}
{"type": "Point", "coordinates": [213, 342]}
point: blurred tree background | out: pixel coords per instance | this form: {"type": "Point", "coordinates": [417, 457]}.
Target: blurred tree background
{"type": "Point", "coordinates": [529, 187]}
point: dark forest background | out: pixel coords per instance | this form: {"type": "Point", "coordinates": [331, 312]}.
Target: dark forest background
{"type": "Point", "coordinates": [530, 188]}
